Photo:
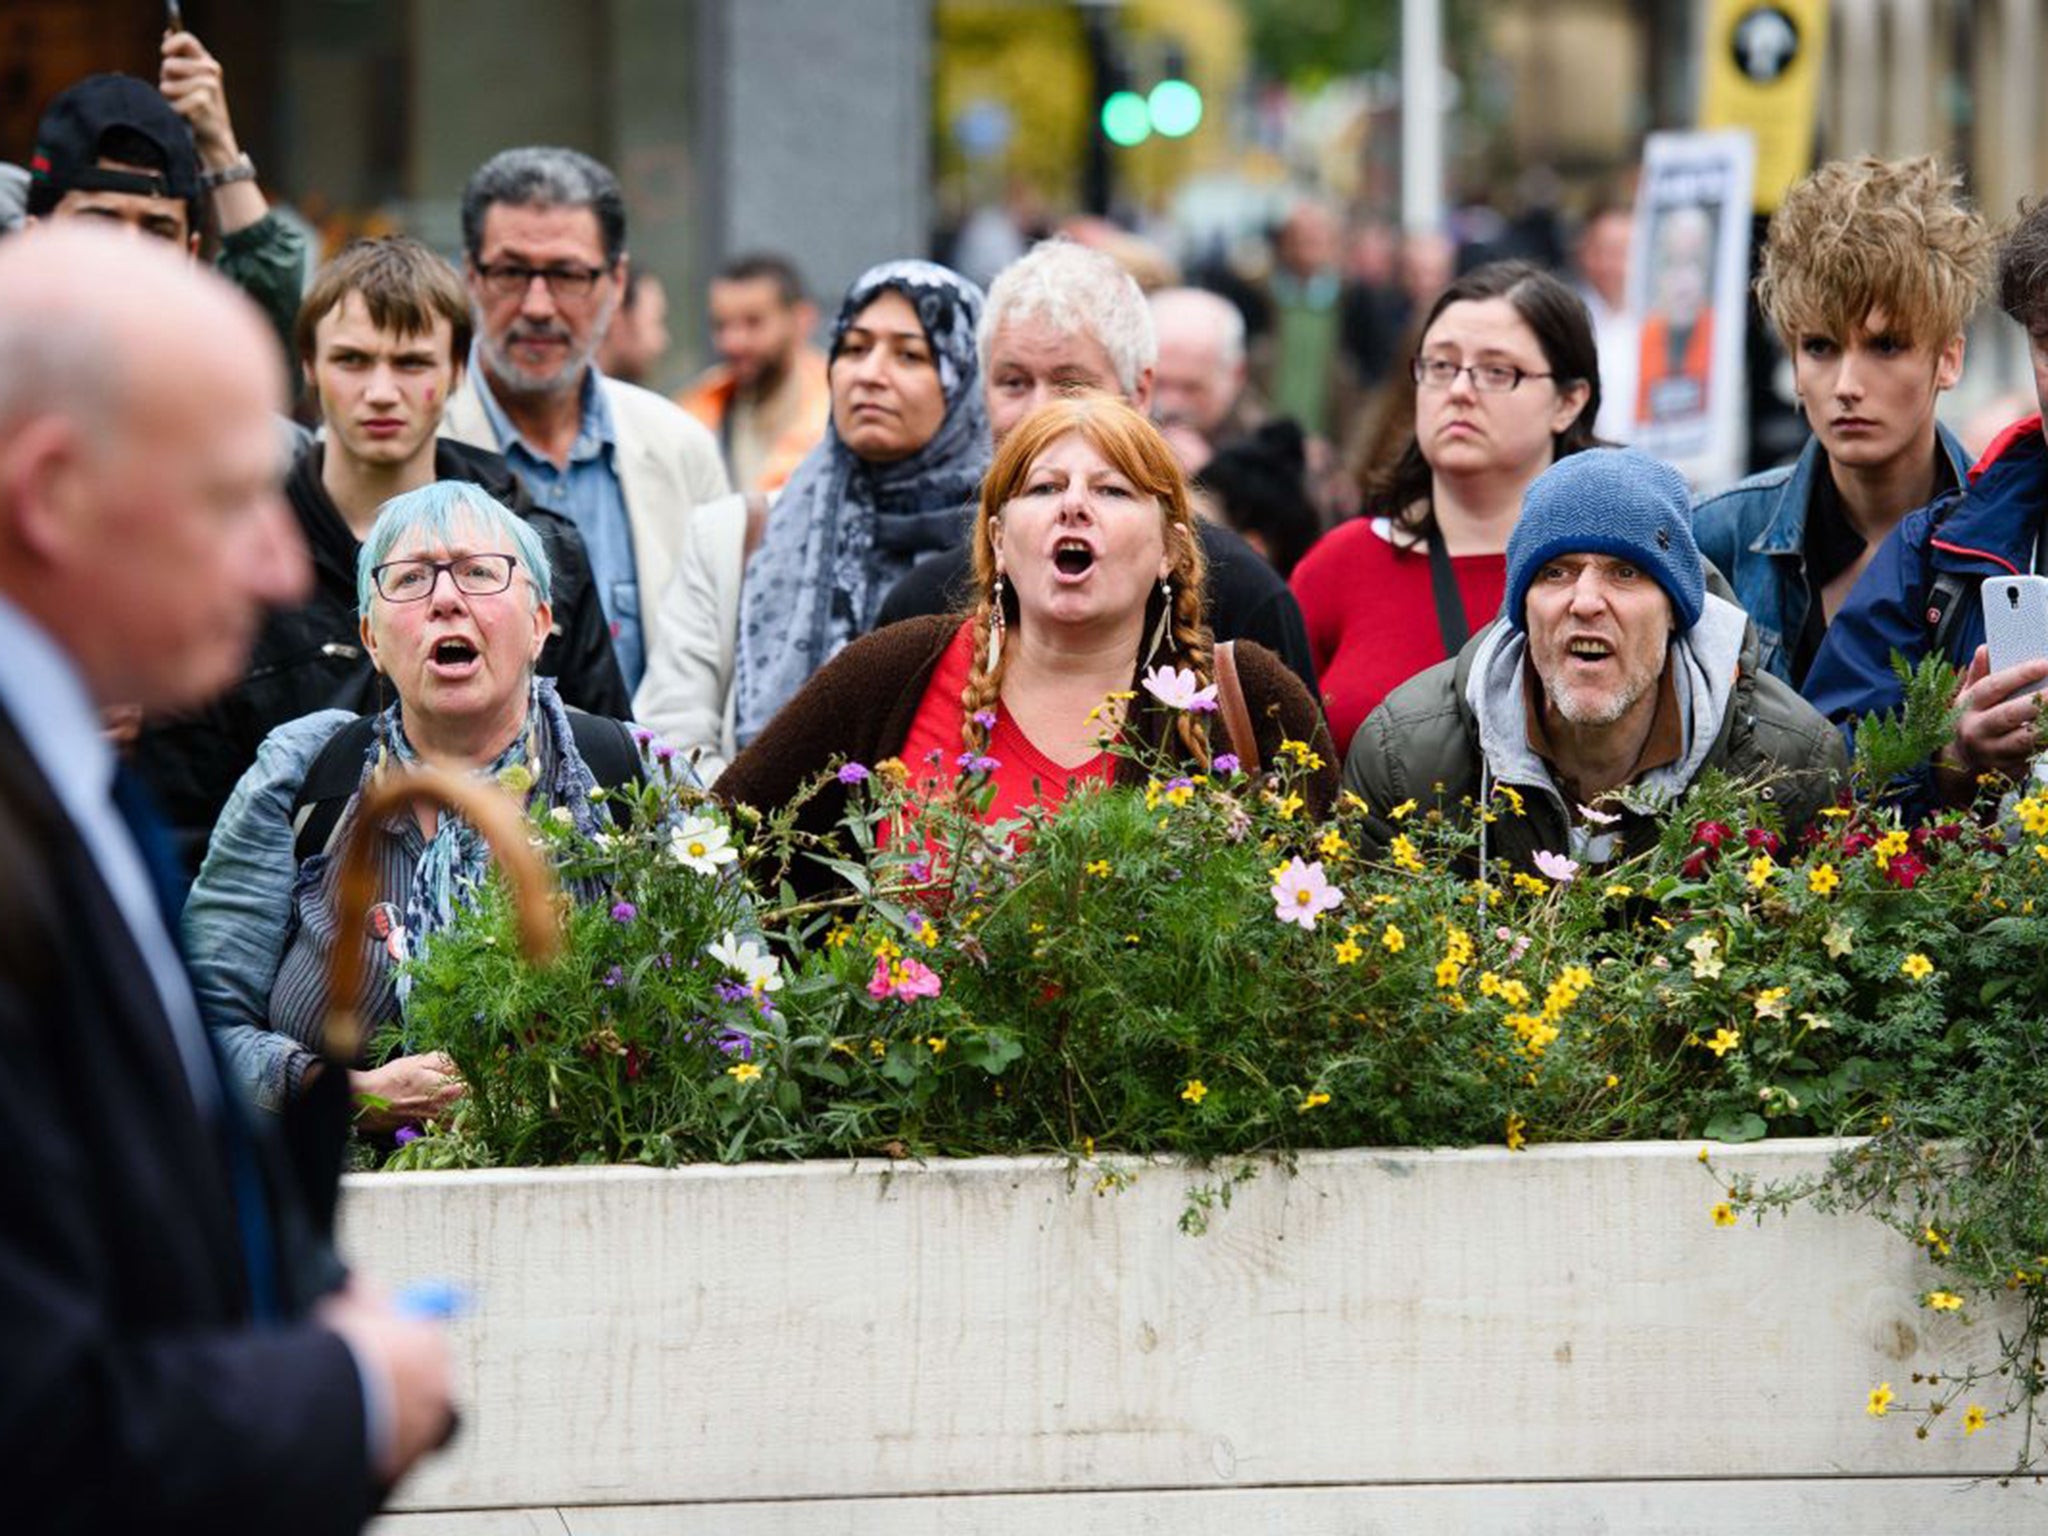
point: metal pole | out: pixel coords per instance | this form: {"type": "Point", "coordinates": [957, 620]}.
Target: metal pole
{"type": "Point", "coordinates": [1422, 115]}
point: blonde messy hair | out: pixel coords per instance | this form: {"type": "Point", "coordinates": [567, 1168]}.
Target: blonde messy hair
{"type": "Point", "coordinates": [1855, 236]}
{"type": "Point", "coordinates": [1133, 445]}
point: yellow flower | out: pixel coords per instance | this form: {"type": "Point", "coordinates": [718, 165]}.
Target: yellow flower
{"type": "Point", "coordinates": [1879, 1402]}
{"type": "Point", "coordinates": [1447, 972]}
{"type": "Point", "coordinates": [1724, 1215]}
{"type": "Point", "coordinates": [1348, 952]}
{"type": "Point", "coordinates": [1760, 871]}
{"type": "Point", "coordinates": [837, 937]}
{"type": "Point", "coordinates": [1195, 1091]}
{"type": "Point", "coordinates": [877, 1048]}
{"type": "Point", "coordinates": [938, 1045]}
{"type": "Point", "coordinates": [1838, 940]}
{"type": "Point", "coordinates": [2033, 814]}
{"type": "Point", "coordinates": [1181, 794]}
{"type": "Point", "coordinates": [1942, 1301]}
{"type": "Point", "coordinates": [1286, 808]}
{"type": "Point", "coordinates": [1916, 966]}
{"type": "Point", "coordinates": [743, 1072]}
{"type": "Point", "coordinates": [1333, 845]}
{"type": "Point", "coordinates": [1822, 879]}
{"type": "Point", "coordinates": [1724, 1041]}
{"type": "Point", "coordinates": [1514, 994]}
{"type": "Point", "coordinates": [1889, 847]}
{"type": "Point", "coordinates": [1099, 869]}
{"type": "Point", "coordinates": [1303, 754]}
{"type": "Point", "coordinates": [1406, 807]}
{"type": "Point", "coordinates": [1936, 1243]}
{"type": "Point", "coordinates": [1619, 892]}
{"type": "Point", "coordinates": [1703, 1154]}
{"type": "Point", "coordinates": [927, 935]}
{"type": "Point", "coordinates": [1405, 855]}
{"type": "Point", "coordinates": [1973, 1419]}
{"type": "Point", "coordinates": [1531, 885]}
{"type": "Point", "coordinates": [1312, 1101]}
{"type": "Point", "coordinates": [1770, 1003]}
{"type": "Point", "coordinates": [1836, 812]}
{"type": "Point", "coordinates": [1394, 939]}
{"type": "Point", "coordinates": [887, 950]}
{"type": "Point", "coordinates": [1515, 1139]}
{"type": "Point", "coordinates": [1612, 1081]}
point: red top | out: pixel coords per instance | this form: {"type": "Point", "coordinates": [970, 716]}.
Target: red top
{"type": "Point", "coordinates": [1023, 775]}
{"type": "Point", "coordinates": [1371, 615]}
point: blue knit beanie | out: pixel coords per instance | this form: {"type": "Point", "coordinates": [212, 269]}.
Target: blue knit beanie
{"type": "Point", "coordinates": [1609, 501]}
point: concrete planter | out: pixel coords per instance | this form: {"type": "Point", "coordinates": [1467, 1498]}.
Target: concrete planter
{"type": "Point", "coordinates": [1449, 1342]}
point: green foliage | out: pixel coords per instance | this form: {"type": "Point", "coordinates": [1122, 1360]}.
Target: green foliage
{"type": "Point", "coordinates": [1889, 747]}
{"type": "Point", "coordinates": [1195, 968]}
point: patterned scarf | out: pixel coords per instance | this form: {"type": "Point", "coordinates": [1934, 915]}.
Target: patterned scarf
{"type": "Point", "coordinates": [845, 530]}
{"type": "Point", "coordinates": [456, 860]}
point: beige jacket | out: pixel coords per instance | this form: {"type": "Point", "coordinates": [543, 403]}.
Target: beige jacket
{"type": "Point", "coordinates": [686, 697]}
{"type": "Point", "coordinates": [668, 465]}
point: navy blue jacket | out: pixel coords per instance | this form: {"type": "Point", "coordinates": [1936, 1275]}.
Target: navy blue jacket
{"type": "Point", "coordinates": [1985, 528]}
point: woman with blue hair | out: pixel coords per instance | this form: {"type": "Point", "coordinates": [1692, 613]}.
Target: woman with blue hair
{"type": "Point", "coordinates": [454, 592]}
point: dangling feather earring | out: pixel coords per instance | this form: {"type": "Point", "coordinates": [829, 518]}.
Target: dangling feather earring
{"type": "Point", "coordinates": [1165, 617]}
{"type": "Point", "coordinates": [995, 625]}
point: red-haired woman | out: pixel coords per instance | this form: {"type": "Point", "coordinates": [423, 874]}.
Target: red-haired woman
{"type": "Point", "coordinates": [1087, 574]}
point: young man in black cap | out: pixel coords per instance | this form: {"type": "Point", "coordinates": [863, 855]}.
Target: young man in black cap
{"type": "Point", "coordinates": [155, 159]}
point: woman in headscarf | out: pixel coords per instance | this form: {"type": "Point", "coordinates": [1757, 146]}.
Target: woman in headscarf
{"type": "Point", "coordinates": [894, 479]}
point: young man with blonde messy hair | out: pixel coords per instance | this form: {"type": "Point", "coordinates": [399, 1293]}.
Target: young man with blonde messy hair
{"type": "Point", "coordinates": [1870, 274]}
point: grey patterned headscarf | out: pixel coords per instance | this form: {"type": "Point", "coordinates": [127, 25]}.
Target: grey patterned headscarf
{"type": "Point", "coordinates": [845, 530]}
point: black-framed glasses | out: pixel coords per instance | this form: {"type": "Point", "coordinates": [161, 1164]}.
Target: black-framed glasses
{"type": "Point", "coordinates": [511, 279]}
{"type": "Point", "coordinates": [412, 581]}
{"type": "Point", "coordinates": [1487, 378]}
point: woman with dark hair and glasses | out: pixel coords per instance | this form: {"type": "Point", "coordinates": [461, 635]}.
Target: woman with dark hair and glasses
{"type": "Point", "coordinates": [1507, 381]}
{"type": "Point", "coordinates": [454, 591]}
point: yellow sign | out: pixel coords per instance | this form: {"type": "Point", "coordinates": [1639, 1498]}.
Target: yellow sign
{"type": "Point", "coordinates": [1763, 61]}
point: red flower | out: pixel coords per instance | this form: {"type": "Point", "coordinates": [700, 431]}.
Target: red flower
{"type": "Point", "coordinates": [1764, 838]}
{"type": "Point", "coordinates": [1697, 864]}
{"type": "Point", "coordinates": [632, 1062]}
{"type": "Point", "coordinates": [1854, 843]}
{"type": "Point", "coordinates": [1945, 831]}
{"type": "Point", "coordinates": [1711, 834]}
{"type": "Point", "coordinates": [1904, 869]}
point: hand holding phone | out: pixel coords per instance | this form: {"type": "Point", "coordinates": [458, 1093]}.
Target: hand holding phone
{"type": "Point", "coordinates": [2016, 623]}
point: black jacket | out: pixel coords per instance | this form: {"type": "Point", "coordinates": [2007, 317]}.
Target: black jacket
{"type": "Point", "coordinates": [1245, 598]}
{"type": "Point", "coordinates": [311, 657]}
{"type": "Point", "coordinates": [136, 1393]}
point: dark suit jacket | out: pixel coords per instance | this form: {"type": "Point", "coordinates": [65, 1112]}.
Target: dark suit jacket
{"type": "Point", "coordinates": [135, 1392]}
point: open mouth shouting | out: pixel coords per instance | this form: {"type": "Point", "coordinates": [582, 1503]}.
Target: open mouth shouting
{"type": "Point", "coordinates": [1588, 650]}
{"type": "Point", "coordinates": [1073, 559]}
{"type": "Point", "coordinates": [454, 658]}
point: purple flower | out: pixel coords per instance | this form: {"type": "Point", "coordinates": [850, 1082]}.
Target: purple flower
{"type": "Point", "coordinates": [985, 718]}
{"type": "Point", "coordinates": [1225, 762]}
{"type": "Point", "coordinates": [405, 1134]}
{"type": "Point", "coordinates": [614, 976]}
{"type": "Point", "coordinates": [642, 736]}
{"type": "Point", "coordinates": [737, 1042]}
{"type": "Point", "coordinates": [920, 870]}
{"type": "Point", "coordinates": [734, 991]}
{"type": "Point", "coordinates": [665, 961]}
{"type": "Point", "coordinates": [974, 762]}
{"type": "Point", "coordinates": [665, 753]}
{"type": "Point", "coordinates": [852, 773]}
{"type": "Point", "coordinates": [624, 912]}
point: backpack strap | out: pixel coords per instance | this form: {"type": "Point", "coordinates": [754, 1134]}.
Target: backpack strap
{"type": "Point", "coordinates": [330, 779]}
{"type": "Point", "coordinates": [1945, 608]}
{"type": "Point", "coordinates": [604, 744]}
{"type": "Point", "coordinates": [1237, 717]}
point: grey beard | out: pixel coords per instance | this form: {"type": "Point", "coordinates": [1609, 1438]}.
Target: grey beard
{"type": "Point", "coordinates": [522, 381]}
{"type": "Point", "coordinates": [1617, 706]}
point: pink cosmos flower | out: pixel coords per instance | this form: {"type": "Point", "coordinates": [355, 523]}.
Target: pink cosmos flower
{"type": "Point", "coordinates": [1175, 688]}
{"type": "Point", "coordinates": [904, 979]}
{"type": "Point", "coordinates": [1301, 893]}
{"type": "Point", "coordinates": [1556, 865]}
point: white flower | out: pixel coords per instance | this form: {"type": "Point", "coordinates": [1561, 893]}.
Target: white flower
{"type": "Point", "coordinates": [1175, 688]}
{"type": "Point", "coordinates": [1556, 865]}
{"type": "Point", "coordinates": [562, 816]}
{"type": "Point", "coordinates": [1598, 818]}
{"type": "Point", "coordinates": [702, 844]}
{"type": "Point", "coordinates": [762, 972]}
{"type": "Point", "coordinates": [1301, 893]}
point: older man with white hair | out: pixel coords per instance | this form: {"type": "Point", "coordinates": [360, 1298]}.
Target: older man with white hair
{"type": "Point", "coordinates": [1066, 320]}
{"type": "Point", "coordinates": [1199, 385]}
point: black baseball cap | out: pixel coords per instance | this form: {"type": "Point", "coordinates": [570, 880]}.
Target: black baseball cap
{"type": "Point", "coordinates": [69, 144]}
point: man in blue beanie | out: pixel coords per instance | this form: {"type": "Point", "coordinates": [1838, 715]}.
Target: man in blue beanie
{"type": "Point", "coordinates": [1612, 667]}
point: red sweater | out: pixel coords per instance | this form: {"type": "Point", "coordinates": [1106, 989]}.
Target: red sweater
{"type": "Point", "coordinates": [1371, 615]}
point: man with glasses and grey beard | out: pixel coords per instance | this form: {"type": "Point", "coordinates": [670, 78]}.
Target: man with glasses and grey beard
{"type": "Point", "coordinates": [544, 242]}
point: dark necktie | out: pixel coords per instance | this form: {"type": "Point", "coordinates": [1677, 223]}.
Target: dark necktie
{"type": "Point", "coordinates": [138, 812]}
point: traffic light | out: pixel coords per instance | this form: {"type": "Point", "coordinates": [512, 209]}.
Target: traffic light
{"type": "Point", "coordinates": [1126, 119]}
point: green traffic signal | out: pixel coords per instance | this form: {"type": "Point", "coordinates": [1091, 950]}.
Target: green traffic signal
{"type": "Point", "coordinates": [1125, 119]}
{"type": "Point", "coordinates": [1175, 108]}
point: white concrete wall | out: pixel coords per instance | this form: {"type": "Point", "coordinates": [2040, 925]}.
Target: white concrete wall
{"type": "Point", "coordinates": [1557, 1340]}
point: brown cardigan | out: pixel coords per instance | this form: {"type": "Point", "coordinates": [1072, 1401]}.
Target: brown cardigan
{"type": "Point", "coordinates": [861, 703]}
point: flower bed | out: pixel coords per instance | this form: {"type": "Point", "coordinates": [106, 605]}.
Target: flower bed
{"type": "Point", "coordinates": [1194, 968]}
{"type": "Point", "coordinates": [1430, 1342]}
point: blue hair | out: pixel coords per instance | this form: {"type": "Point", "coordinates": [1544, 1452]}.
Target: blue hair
{"type": "Point", "coordinates": [437, 514]}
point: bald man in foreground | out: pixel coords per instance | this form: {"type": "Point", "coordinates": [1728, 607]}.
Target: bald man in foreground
{"type": "Point", "coordinates": [177, 1353]}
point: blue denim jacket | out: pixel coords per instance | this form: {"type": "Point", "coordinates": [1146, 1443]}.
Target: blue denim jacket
{"type": "Point", "coordinates": [1755, 533]}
